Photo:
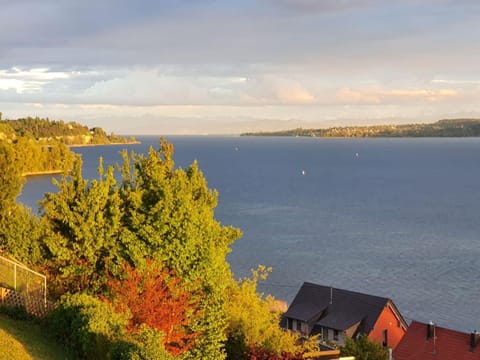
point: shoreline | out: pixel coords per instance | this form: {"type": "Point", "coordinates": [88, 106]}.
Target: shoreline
{"type": "Point", "coordinates": [39, 173]}
{"type": "Point", "coordinates": [116, 143]}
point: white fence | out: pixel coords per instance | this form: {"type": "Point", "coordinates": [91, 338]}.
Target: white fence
{"type": "Point", "coordinates": [21, 279]}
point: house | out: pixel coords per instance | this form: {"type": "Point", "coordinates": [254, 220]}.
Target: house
{"type": "Point", "coordinates": [429, 341]}
{"type": "Point", "coordinates": [336, 314]}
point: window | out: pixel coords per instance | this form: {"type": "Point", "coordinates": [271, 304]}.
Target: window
{"type": "Point", "coordinates": [325, 333]}
{"type": "Point", "coordinates": [385, 338]}
{"type": "Point", "coordinates": [299, 325]}
{"type": "Point", "coordinates": [335, 335]}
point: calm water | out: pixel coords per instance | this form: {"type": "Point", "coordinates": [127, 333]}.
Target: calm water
{"type": "Point", "coordinates": [398, 218]}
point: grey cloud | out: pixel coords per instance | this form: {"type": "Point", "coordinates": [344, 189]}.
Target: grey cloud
{"type": "Point", "coordinates": [60, 23]}
{"type": "Point", "coordinates": [63, 34]}
{"type": "Point", "coordinates": [320, 5]}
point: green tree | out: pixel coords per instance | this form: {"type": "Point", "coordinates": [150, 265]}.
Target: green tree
{"type": "Point", "coordinates": [11, 181]}
{"type": "Point", "coordinates": [364, 349]}
{"type": "Point", "coordinates": [83, 225]}
{"type": "Point", "coordinates": [169, 217]}
{"type": "Point", "coordinates": [158, 212]}
{"type": "Point", "coordinates": [20, 230]}
{"type": "Point", "coordinates": [20, 235]}
{"type": "Point", "coordinates": [253, 321]}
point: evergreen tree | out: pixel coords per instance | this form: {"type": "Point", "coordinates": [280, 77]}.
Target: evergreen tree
{"type": "Point", "coordinates": [83, 226]}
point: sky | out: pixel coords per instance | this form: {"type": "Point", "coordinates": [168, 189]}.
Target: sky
{"type": "Point", "coordinates": [224, 67]}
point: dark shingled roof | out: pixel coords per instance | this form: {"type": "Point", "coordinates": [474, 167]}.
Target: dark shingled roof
{"type": "Point", "coordinates": [312, 304]}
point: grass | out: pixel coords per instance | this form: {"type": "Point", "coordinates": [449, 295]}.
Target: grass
{"type": "Point", "coordinates": [26, 340]}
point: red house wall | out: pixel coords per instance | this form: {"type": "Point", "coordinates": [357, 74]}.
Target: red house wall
{"type": "Point", "coordinates": [389, 321]}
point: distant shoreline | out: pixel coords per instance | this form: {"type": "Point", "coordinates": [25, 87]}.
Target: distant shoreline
{"type": "Point", "coordinates": [39, 173]}
{"type": "Point", "coordinates": [458, 128]}
{"type": "Point", "coordinates": [116, 143]}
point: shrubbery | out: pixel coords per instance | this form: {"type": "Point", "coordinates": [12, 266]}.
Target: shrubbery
{"type": "Point", "coordinates": [156, 298]}
{"type": "Point", "coordinates": [87, 325]}
{"type": "Point", "coordinates": [253, 325]}
{"type": "Point", "coordinates": [145, 344]}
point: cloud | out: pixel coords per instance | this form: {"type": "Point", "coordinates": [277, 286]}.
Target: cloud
{"type": "Point", "coordinates": [320, 6]}
{"type": "Point", "coordinates": [145, 86]}
{"type": "Point", "coordinates": [151, 87]}
{"type": "Point", "coordinates": [456, 82]}
{"type": "Point", "coordinates": [208, 86]}
{"type": "Point", "coordinates": [28, 81]}
{"type": "Point", "coordinates": [91, 34]}
{"type": "Point", "coordinates": [389, 96]}
{"type": "Point", "coordinates": [351, 96]}
{"type": "Point", "coordinates": [275, 90]}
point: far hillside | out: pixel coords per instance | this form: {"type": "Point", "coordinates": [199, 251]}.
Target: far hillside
{"type": "Point", "coordinates": [31, 146]}
{"type": "Point", "coordinates": [441, 128]}
{"type": "Point", "coordinates": [47, 131]}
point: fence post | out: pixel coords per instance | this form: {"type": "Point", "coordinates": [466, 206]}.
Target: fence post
{"type": "Point", "coordinates": [45, 291]}
{"type": "Point", "coordinates": [15, 276]}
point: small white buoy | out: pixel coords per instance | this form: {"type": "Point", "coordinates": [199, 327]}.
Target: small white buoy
{"type": "Point", "coordinates": [357, 155]}
{"type": "Point", "coordinates": [304, 172]}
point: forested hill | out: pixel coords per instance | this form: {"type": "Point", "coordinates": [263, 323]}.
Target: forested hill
{"type": "Point", "coordinates": [47, 131]}
{"type": "Point", "coordinates": [441, 128]}
{"type": "Point", "coordinates": [32, 146]}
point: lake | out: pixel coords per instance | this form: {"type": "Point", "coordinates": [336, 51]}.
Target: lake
{"type": "Point", "coordinates": [398, 218]}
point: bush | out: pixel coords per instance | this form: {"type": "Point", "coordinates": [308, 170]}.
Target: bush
{"type": "Point", "coordinates": [364, 349]}
{"type": "Point", "coordinates": [146, 344]}
{"type": "Point", "coordinates": [252, 322]}
{"type": "Point", "coordinates": [155, 297]}
{"type": "Point", "coordinates": [261, 353]}
{"type": "Point", "coordinates": [87, 325]}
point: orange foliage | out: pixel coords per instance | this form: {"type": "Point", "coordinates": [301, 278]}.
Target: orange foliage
{"type": "Point", "coordinates": [155, 297]}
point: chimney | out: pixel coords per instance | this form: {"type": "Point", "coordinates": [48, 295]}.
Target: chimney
{"type": "Point", "coordinates": [474, 339]}
{"type": "Point", "coordinates": [430, 330]}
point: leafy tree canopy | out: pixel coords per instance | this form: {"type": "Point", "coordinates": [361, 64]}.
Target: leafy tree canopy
{"type": "Point", "coordinates": [156, 211]}
{"type": "Point", "coordinates": [252, 321]}
{"type": "Point", "coordinates": [364, 349]}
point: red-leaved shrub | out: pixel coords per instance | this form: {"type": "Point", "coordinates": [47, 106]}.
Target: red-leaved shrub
{"type": "Point", "coordinates": [157, 298]}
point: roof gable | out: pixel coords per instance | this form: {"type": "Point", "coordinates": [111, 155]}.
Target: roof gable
{"type": "Point", "coordinates": [448, 344]}
{"type": "Point", "coordinates": [336, 308]}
